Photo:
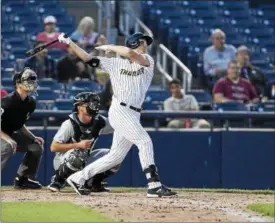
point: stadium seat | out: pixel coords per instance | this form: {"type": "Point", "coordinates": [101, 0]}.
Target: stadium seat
{"type": "Point", "coordinates": [86, 84]}
{"type": "Point", "coordinates": [201, 96]}
{"type": "Point", "coordinates": [7, 82]}
{"type": "Point", "coordinates": [50, 83]}
{"type": "Point", "coordinates": [230, 106]}
{"type": "Point", "coordinates": [45, 93]}
{"type": "Point", "coordinates": [63, 104]}
{"type": "Point", "coordinates": [151, 106]}
{"type": "Point", "coordinates": [157, 95]}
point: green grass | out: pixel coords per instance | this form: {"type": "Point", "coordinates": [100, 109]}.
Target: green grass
{"type": "Point", "coordinates": [49, 212]}
{"type": "Point", "coordinates": [265, 209]}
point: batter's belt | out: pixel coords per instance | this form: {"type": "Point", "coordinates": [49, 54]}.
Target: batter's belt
{"type": "Point", "coordinates": [131, 107]}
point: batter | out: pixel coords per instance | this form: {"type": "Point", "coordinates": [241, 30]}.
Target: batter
{"type": "Point", "coordinates": [130, 77]}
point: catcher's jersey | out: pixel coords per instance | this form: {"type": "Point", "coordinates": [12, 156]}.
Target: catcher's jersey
{"type": "Point", "coordinates": [130, 81]}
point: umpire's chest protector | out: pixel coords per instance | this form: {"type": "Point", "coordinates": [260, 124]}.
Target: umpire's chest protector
{"type": "Point", "coordinates": [87, 131]}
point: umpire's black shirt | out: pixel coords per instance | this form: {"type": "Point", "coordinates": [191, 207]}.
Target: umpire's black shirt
{"type": "Point", "coordinates": [15, 112]}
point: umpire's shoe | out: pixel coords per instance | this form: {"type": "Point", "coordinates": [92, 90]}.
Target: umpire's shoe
{"type": "Point", "coordinates": [79, 189]}
{"type": "Point", "coordinates": [162, 191]}
{"type": "Point", "coordinates": [22, 182]}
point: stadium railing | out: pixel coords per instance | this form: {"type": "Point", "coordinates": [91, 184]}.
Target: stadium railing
{"type": "Point", "coordinates": [156, 115]}
{"type": "Point", "coordinates": [163, 53]}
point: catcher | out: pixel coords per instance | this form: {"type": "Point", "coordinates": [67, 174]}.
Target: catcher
{"type": "Point", "coordinates": [74, 143]}
{"type": "Point", "coordinates": [16, 109]}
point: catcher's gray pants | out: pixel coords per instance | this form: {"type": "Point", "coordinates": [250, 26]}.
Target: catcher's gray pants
{"type": "Point", "coordinates": [94, 155]}
{"type": "Point", "coordinates": [32, 157]}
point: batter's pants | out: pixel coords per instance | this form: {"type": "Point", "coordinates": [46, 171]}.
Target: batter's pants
{"type": "Point", "coordinates": [31, 160]}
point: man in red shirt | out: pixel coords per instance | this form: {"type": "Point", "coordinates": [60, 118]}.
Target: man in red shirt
{"type": "Point", "coordinates": [233, 87]}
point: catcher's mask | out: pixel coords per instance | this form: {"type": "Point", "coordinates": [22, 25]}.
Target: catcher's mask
{"type": "Point", "coordinates": [27, 78]}
{"type": "Point", "coordinates": [88, 99]}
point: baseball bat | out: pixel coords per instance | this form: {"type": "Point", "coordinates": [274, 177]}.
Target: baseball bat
{"type": "Point", "coordinates": [38, 49]}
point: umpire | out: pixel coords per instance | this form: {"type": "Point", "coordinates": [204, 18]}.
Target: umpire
{"type": "Point", "coordinates": [16, 109]}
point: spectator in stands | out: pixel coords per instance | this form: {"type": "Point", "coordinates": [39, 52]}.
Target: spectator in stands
{"type": "Point", "coordinates": [270, 88]}
{"type": "Point", "coordinates": [182, 102]}
{"type": "Point", "coordinates": [42, 64]}
{"type": "Point", "coordinates": [250, 72]}
{"type": "Point", "coordinates": [3, 92]}
{"type": "Point", "coordinates": [234, 88]}
{"type": "Point", "coordinates": [86, 36]}
{"type": "Point", "coordinates": [50, 33]}
{"type": "Point", "coordinates": [71, 67]}
{"type": "Point", "coordinates": [217, 56]}
{"type": "Point", "coordinates": [106, 96]}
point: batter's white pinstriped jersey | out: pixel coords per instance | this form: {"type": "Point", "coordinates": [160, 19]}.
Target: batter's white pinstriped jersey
{"type": "Point", "coordinates": [130, 81]}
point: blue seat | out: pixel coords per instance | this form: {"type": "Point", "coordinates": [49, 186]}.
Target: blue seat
{"type": "Point", "coordinates": [6, 63]}
{"type": "Point", "coordinates": [157, 95]}
{"type": "Point", "coordinates": [233, 5]}
{"type": "Point", "coordinates": [7, 33]}
{"type": "Point", "coordinates": [7, 82]}
{"type": "Point", "coordinates": [260, 32]}
{"type": "Point", "coordinates": [63, 104]}
{"type": "Point", "coordinates": [9, 89]}
{"type": "Point", "coordinates": [230, 106]}
{"type": "Point", "coordinates": [201, 96]}
{"type": "Point", "coordinates": [45, 93]}
{"type": "Point", "coordinates": [74, 91]}
{"type": "Point", "coordinates": [19, 52]}
{"type": "Point", "coordinates": [87, 85]}
{"type": "Point", "coordinates": [49, 82]}
{"type": "Point", "coordinates": [270, 75]}
{"type": "Point", "coordinates": [268, 106]}
{"type": "Point", "coordinates": [148, 105]}
{"type": "Point", "coordinates": [196, 4]}
{"type": "Point", "coordinates": [204, 13]}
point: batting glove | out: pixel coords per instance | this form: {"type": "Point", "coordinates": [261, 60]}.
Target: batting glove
{"type": "Point", "coordinates": [62, 38]}
{"type": "Point", "coordinates": [103, 47]}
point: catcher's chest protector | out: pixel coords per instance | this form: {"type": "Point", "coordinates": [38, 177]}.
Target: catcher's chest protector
{"type": "Point", "coordinates": [87, 131]}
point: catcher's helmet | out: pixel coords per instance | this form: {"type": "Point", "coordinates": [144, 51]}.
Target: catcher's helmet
{"type": "Point", "coordinates": [90, 100]}
{"type": "Point", "coordinates": [133, 41]}
{"type": "Point", "coordinates": [27, 78]}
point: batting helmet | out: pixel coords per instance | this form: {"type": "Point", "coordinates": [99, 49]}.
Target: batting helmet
{"type": "Point", "coordinates": [133, 41]}
{"type": "Point", "coordinates": [90, 100]}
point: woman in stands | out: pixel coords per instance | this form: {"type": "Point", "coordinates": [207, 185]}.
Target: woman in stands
{"type": "Point", "coordinates": [86, 36]}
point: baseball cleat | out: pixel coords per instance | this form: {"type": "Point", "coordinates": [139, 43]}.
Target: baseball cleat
{"type": "Point", "coordinates": [162, 191]}
{"type": "Point", "coordinates": [26, 183]}
{"type": "Point", "coordinates": [79, 189]}
{"type": "Point", "coordinates": [54, 187]}
{"type": "Point", "coordinates": [100, 187]}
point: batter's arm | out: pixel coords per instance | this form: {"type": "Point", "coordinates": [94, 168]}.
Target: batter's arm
{"type": "Point", "coordinates": [126, 52]}
{"type": "Point", "coordinates": [82, 54]}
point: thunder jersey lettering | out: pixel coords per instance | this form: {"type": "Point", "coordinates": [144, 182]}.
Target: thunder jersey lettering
{"type": "Point", "coordinates": [130, 81]}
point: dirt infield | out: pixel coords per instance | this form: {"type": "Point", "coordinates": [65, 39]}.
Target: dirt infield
{"type": "Point", "coordinates": [135, 207]}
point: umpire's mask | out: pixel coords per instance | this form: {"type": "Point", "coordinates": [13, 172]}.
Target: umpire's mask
{"type": "Point", "coordinates": [28, 79]}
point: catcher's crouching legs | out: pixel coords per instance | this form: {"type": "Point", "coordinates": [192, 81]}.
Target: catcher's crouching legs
{"type": "Point", "coordinates": [72, 164]}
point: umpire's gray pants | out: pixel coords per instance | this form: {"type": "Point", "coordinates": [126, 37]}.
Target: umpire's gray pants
{"type": "Point", "coordinates": [94, 155]}
{"type": "Point", "coordinates": [31, 160]}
